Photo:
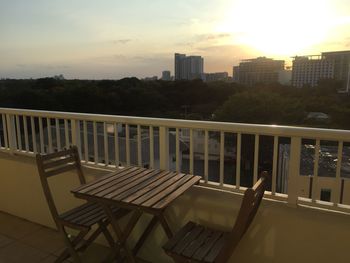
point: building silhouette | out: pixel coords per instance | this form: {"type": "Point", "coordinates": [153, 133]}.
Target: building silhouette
{"type": "Point", "coordinates": [258, 70]}
{"type": "Point", "coordinates": [216, 76]}
{"type": "Point", "coordinates": [166, 75]}
{"type": "Point", "coordinates": [188, 67]}
{"type": "Point", "coordinates": [309, 70]}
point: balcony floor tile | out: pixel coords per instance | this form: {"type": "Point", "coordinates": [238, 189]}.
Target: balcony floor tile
{"type": "Point", "coordinates": [15, 227]}
{"type": "Point", "coordinates": [24, 241]}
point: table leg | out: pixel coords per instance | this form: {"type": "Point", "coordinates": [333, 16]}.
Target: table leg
{"type": "Point", "coordinates": [144, 235]}
{"type": "Point", "coordinates": [121, 242]}
{"type": "Point", "coordinates": [165, 225]}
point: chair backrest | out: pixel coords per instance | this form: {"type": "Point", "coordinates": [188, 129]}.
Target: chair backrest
{"type": "Point", "coordinates": [54, 164]}
{"type": "Point", "coordinates": [249, 206]}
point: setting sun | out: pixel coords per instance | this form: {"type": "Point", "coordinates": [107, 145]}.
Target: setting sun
{"type": "Point", "coordinates": [279, 28]}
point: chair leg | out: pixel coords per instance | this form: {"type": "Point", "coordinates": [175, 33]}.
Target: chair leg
{"type": "Point", "coordinates": [103, 225]}
{"type": "Point", "coordinates": [71, 244]}
{"type": "Point", "coordinates": [65, 254]}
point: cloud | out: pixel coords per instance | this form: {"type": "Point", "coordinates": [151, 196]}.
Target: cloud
{"type": "Point", "coordinates": [42, 66]}
{"type": "Point", "coordinates": [122, 41]}
{"type": "Point", "coordinates": [206, 37]}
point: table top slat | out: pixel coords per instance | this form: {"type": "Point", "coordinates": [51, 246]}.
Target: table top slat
{"type": "Point", "coordinates": [158, 189]}
{"type": "Point", "coordinates": [149, 187]}
{"type": "Point", "coordinates": [179, 191]}
{"type": "Point", "coordinates": [118, 180]}
{"type": "Point", "coordinates": [109, 191]}
{"type": "Point", "coordinates": [130, 185]}
{"type": "Point", "coordinates": [170, 188]}
{"type": "Point", "coordinates": [137, 188]}
{"type": "Point", "coordinates": [103, 180]}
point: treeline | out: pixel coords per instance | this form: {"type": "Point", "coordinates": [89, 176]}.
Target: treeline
{"type": "Point", "coordinates": [269, 104]}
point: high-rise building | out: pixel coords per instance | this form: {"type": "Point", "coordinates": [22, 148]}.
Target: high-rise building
{"type": "Point", "coordinates": [166, 75]}
{"type": "Point", "coordinates": [188, 67]}
{"type": "Point", "coordinates": [179, 66]}
{"type": "Point", "coordinates": [258, 70]}
{"type": "Point", "coordinates": [309, 70]}
{"type": "Point", "coordinates": [341, 61]}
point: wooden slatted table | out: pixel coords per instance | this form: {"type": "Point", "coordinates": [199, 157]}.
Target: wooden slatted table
{"type": "Point", "coordinates": [141, 190]}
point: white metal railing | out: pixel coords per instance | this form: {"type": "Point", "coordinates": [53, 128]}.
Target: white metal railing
{"type": "Point", "coordinates": [121, 140]}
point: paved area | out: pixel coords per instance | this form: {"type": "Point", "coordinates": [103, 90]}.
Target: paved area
{"type": "Point", "coordinates": [27, 242]}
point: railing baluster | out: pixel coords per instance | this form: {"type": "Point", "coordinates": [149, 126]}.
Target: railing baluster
{"type": "Point", "coordinates": [139, 150]}
{"type": "Point", "coordinates": [1, 145]}
{"type": "Point", "coordinates": [4, 125]}
{"type": "Point", "coordinates": [274, 164]}
{"type": "Point", "coordinates": [163, 148]}
{"type": "Point", "coordinates": [151, 147]}
{"type": "Point", "coordinates": [177, 149]}
{"type": "Point", "coordinates": [75, 132]}
{"type": "Point", "coordinates": [66, 132]}
{"type": "Point", "coordinates": [86, 142]}
{"type": "Point", "coordinates": [78, 136]}
{"type": "Point", "coordinates": [58, 134]}
{"type": "Point", "coordinates": [105, 141]}
{"type": "Point", "coordinates": [127, 144]}
{"type": "Point", "coordinates": [19, 134]}
{"type": "Point", "coordinates": [41, 135]}
{"type": "Point", "coordinates": [49, 134]}
{"type": "Point", "coordinates": [33, 134]}
{"type": "Point", "coordinates": [336, 197]}
{"type": "Point", "coordinates": [315, 176]}
{"type": "Point", "coordinates": [293, 171]}
{"type": "Point", "coordinates": [238, 160]}
{"type": "Point", "coordinates": [11, 132]}
{"type": "Point", "coordinates": [95, 142]}
{"type": "Point", "coordinates": [206, 155]}
{"type": "Point", "coordinates": [256, 158]}
{"type": "Point", "coordinates": [25, 128]}
{"type": "Point", "coordinates": [222, 155]}
{"type": "Point", "coordinates": [116, 145]}
{"type": "Point", "coordinates": [191, 152]}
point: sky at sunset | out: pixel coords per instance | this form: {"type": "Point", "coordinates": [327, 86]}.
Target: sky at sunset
{"type": "Point", "coordinates": [113, 38]}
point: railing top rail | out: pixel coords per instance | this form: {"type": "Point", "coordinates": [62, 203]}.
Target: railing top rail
{"type": "Point", "coordinates": [261, 129]}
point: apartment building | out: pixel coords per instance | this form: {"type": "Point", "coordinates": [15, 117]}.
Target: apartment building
{"type": "Point", "coordinates": [258, 70]}
{"type": "Point", "coordinates": [309, 70]}
{"type": "Point", "coordinates": [188, 67]}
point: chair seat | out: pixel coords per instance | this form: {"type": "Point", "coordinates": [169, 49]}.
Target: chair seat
{"type": "Point", "coordinates": [197, 243]}
{"type": "Point", "coordinates": [88, 214]}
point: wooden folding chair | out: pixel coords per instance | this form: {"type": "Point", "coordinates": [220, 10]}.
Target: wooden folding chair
{"type": "Point", "coordinates": [81, 218]}
{"type": "Point", "coordinates": [196, 243]}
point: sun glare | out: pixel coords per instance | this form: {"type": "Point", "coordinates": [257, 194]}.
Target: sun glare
{"type": "Point", "coordinates": [277, 27]}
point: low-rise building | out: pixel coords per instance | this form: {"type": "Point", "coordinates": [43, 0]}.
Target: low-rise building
{"type": "Point", "coordinates": [217, 76]}
{"type": "Point", "coordinates": [166, 75]}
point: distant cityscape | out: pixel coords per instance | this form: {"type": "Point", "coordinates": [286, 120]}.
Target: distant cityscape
{"type": "Point", "coordinates": [306, 71]}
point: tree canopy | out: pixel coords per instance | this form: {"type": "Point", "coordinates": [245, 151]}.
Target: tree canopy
{"type": "Point", "coordinates": [220, 101]}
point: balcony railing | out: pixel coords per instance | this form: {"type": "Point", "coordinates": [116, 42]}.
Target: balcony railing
{"type": "Point", "coordinates": [308, 165]}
